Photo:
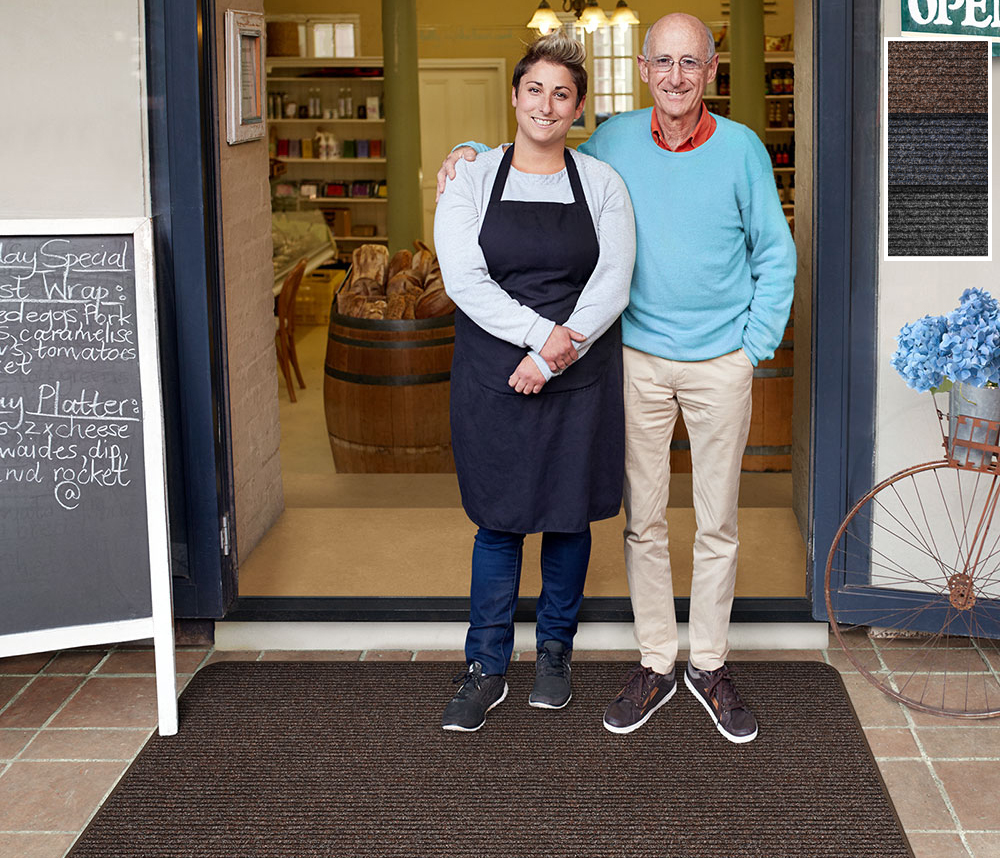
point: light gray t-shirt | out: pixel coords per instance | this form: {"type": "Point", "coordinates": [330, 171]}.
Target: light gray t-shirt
{"type": "Point", "coordinates": [459, 217]}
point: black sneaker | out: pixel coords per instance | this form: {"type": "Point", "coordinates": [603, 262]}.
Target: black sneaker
{"type": "Point", "coordinates": [645, 691]}
{"type": "Point", "coordinates": [715, 691]}
{"type": "Point", "coordinates": [480, 692]}
{"type": "Point", "coordinates": [552, 689]}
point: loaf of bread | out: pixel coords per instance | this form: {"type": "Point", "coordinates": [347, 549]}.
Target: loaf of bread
{"type": "Point", "coordinates": [350, 303]}
{"type": "Point", "coordinates": [434, 302]}
{"type": "Point", "coordinates": [400, 261]}
{"type": "Point", "coordinates": [401, 282]}
{"type": "Point", "coordinates": [366, 286]}
{"type": "Point", "coordinates": [371, 261]}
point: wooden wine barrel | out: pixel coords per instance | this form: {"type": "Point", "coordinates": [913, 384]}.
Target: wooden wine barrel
{"type": "Point", "coordinates": [386, 394]}
{"type": "Point", "coordinates": [769, 444]}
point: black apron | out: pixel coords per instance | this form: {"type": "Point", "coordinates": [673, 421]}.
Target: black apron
{"type": "Point", "coordinates": [554, 460]}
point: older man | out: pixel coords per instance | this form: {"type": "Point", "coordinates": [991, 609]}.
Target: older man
{"type": "Point", "coordinates": [710, 295]}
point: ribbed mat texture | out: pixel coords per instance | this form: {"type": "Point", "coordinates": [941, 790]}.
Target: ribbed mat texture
{"type": "Point", "coordinates": [938, 189]}
{"type": "Point", "coordinates": [323, 760]}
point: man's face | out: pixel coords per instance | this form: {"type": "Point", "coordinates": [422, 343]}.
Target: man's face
{"type": "Point", "coordinates": [677, 94]}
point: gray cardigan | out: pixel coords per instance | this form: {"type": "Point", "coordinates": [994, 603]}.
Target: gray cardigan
{"type": "Point", "coordinates": [459, 217]}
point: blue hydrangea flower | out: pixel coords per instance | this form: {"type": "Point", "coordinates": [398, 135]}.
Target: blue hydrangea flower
{"type": "Point", "coordinates": [963, 346]}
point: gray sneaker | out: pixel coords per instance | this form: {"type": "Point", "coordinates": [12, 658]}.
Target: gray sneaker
{"type": "Point", "coordinates": [715, 691]}
{"type": "Point", "coordinates": [552, 689]}
{"type": "Point", "coordinates": [480, 692]}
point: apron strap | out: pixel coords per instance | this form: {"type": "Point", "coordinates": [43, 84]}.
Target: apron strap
{"type": "Point", "coordinates": [500, 182]}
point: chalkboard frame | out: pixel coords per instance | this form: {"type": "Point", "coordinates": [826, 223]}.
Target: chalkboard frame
{"type": "Point", "coordinates": [159, 625]}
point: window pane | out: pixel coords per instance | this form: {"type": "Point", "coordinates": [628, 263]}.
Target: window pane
{"type": "Point", "coordinates": [303, 41]}
{"type": "Point", "coordinates": [623, 103]}
{"type": "Point", "coordinates": [322, 40]}
{"type": "Point", "coordinates": [343, 38]}
{"type": "Point", "coordinates": [623, 75]}
{"type": "Point", "coordinates": [602, 42]}
{"type": "Point", "coordinates": [602, 105]}
{"type": "Point", "coordinates": [602, 75]}
{"type": "Point", "coordinates": [622, 38]}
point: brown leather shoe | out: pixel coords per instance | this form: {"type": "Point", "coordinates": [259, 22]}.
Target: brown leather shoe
{"type": "Point", "coordinates": [715, 691]}
{"type": "Point", "coordinates": [645, 691]}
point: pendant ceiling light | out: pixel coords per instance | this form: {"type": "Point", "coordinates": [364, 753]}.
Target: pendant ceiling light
{"type": "Point", "coordinates": [544, 20]}
{"type": "Point", "coordinates": [587, 12]}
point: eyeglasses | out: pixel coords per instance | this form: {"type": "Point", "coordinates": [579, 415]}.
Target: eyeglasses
{"type": "Point", "coordinates": [688, 65]}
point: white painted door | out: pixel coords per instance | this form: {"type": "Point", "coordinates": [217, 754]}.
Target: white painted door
{"type": "Point", "coordinates": [459, 100]}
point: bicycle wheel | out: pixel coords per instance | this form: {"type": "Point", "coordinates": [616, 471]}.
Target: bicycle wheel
{"type": "Point", "coordinates": [913, 589]}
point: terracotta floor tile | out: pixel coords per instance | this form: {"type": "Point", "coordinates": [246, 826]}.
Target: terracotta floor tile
{"type": "Point", "coordinates": [965, 742]}
{"type": "Point", "coordinates": [75, 661]}
{"type": "Point", "coordinates": [311, 655]}
{"type": "Point", "coordinates": [9, 686]}
{"type": "Point", "coordinates": [43, 796]}
{"type": "Point", "coordinates": [31, 663]}
{"type": "Point", "coordinates": [455, 655]}
{"type": "Point", "coordinates": [86, 745]}
{"type": "Point", "coordinates": [938, 846]}
{"type": "Point", "coordinates": [915, 795]}
{"type": "Point", "coordinates": [38, 701]}
{"type": "Point", "coordinates": [776, 655]}
{"type": "Point", "coordinates": [111, 702]}
{"type": "Point", "coordinates": [144, 662]}
{"type": "Point", "coordinates": [984, 845]}
{"type": "Point", "coordinates": [874, 708]}
{"type": "Point", "coordinates": [12, 742]}
{"type": "Point", "coordinates": [627, 656]}
{"type": "Point", "coordinates": [973, 787]}
{"type": "Point", "coordinates": [35, 845]}
{"type": "Point", "coordinates": [838, 658]}
{"type": "Point", "coordinates": [891, 742]}
{"type": "Point", "coordinates": [951, 659]}
{"type": "Point", "coordinates": [232, 655]}
{"type": "Point", "coordinates": [387, 655]}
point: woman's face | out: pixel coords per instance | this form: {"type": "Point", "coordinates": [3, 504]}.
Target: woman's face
{"type": "Point", "coordinates": [545, 103]}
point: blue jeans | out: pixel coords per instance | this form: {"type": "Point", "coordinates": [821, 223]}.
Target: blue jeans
{"type": "Point", "coordinates": [496, 576]}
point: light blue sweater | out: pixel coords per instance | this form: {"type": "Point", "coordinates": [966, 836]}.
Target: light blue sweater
{"type": "Point", "coordinates": [715, 260]}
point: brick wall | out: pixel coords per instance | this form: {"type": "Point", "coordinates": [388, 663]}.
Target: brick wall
{"type": "Point", "coordinates": [253, 379]}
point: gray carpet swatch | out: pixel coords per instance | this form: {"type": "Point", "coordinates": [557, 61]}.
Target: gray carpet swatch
{"type": "Point", "coordinates": [938, 126]}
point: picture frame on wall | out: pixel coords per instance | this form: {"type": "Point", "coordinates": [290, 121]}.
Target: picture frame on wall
{"type": "Point", "coordinates": [244, 76]}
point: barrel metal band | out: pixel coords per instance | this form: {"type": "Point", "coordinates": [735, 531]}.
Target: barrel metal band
{"type": "Point", "coordinates": [775, 372]}
{"type": "Point", "coordinates": [388, 380]}
{"type": "Point", "coordinates": [391, 344]}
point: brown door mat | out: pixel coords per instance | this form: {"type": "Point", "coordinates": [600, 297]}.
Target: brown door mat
{"type": "Point", "coordinates": [323, 760]}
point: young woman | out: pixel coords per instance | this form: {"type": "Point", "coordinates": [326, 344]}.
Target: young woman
{"type": "Point", "coordinates": [536, 244]}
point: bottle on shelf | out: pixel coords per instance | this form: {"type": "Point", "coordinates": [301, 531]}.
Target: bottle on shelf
{"type": "Point", "coordinates": [791, 114]}
{"type": "Point", "coordinates": [791, 188]}
{"type": "Point", "coordinates": [780, 185]}
{"type": "Point", "coordinates": [342, 104]}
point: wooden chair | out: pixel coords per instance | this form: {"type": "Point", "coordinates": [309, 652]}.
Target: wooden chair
{"type": "Point", "coordinates": [284, 335]}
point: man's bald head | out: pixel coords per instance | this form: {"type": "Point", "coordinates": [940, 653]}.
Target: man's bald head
{"type": "Point", "coordinates": [681, 21]}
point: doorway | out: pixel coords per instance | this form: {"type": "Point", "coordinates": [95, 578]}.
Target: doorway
{"type": "Point", "coordinates": [405, 538]}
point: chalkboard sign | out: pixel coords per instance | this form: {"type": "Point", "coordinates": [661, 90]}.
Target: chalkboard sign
{"type": "Point", "coordinates": [83, 535]}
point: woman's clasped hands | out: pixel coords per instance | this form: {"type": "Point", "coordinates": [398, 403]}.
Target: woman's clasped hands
{"type": "Point", "coordinates": [558, 352]}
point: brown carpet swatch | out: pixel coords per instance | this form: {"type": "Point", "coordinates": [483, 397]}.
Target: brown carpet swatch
{"type": "Point", "coordinates": [316, 760]}
{"type": "Point", "coordinates": [938, 76]}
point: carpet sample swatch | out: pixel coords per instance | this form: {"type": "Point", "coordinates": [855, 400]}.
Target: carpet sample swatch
{"type": "Point", "coordinates": [937, 127]}
{"type": "Point", "coordinates": [342, 760]}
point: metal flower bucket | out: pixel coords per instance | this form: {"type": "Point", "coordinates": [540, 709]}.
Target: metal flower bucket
{"type": "Point", "coordinates": [973, 425]}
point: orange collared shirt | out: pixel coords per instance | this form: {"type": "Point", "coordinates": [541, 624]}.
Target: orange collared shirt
{"type": "Point", "coordinates": [702, 131]}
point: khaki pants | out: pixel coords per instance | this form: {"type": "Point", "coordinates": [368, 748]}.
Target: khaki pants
{"type": "Point", "coordinates": [714, 396]}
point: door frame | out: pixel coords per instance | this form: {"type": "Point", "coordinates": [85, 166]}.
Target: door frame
{"type": "Point", "coordinates": [845, 268]}
{"type": "Point", "coordinates": [183, 155]}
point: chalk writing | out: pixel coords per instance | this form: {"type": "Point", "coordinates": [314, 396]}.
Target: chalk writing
{"type": "Point", "coordinates": [70, 405]}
